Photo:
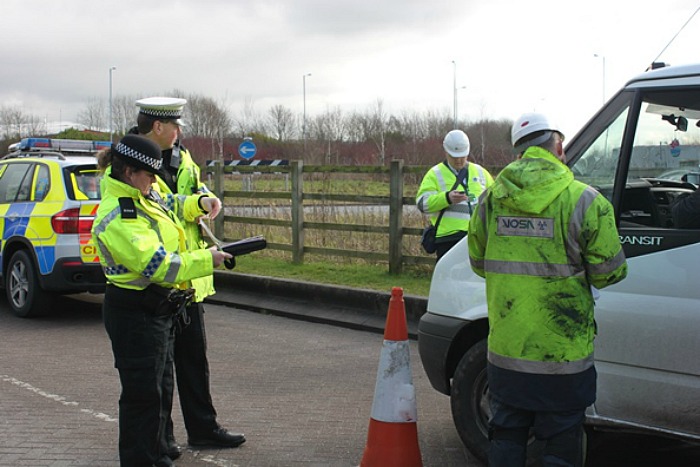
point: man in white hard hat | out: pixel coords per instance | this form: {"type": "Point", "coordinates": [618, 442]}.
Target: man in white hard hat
{"type": "Point", "coordinates": [449, 200]}
{"type": "Point", "coordinates": [160, 120]}
{"type": "Point", "coordinates": [542, 240]}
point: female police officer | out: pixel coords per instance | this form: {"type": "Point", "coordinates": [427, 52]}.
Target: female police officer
{"type": "Point", "coordinates": [142, 250]}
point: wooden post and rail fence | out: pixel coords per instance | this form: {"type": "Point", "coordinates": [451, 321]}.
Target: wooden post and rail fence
{"type": "Point", "coordinates": [395, 256]}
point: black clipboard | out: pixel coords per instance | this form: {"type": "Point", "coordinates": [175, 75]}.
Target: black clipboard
{"type": "Point", "coordinates": [245, 246]}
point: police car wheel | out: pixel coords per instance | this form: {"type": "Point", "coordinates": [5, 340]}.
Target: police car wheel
{"type": "Point", "coordinates": [24, 294]}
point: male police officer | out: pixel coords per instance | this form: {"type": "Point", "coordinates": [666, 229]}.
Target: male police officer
{"type": "Point", "coordinates": [440, 191]}
{"type": "Point", "coordinates": [541, 239]}
{"type": "Point", "coordinates": [159, 119]}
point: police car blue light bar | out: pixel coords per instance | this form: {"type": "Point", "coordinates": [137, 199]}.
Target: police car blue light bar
{"type": "Point", "coordinates": [71, 145]}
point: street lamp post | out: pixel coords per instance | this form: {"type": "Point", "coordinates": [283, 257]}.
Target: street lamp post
{"type": "Point", "coordinates": [603, 58]}
{"type": "Point", "coordinates": [111, 69]}
{"type": "Point", "coordinates": [303, 125]}
{"type": "Point", "coordinates": [454, 94]}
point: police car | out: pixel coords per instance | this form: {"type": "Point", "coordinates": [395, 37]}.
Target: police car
{"type": "Point", "coordinates": [648, 346]}
{"type": "Point", "coordinates": [49, 193]}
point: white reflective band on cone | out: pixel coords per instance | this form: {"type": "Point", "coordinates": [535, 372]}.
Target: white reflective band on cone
{"type": "Point", "coordinates": [394, 393]}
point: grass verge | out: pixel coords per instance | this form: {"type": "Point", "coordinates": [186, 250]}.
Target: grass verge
{"type": "Point", "coordinates": [414, 280]}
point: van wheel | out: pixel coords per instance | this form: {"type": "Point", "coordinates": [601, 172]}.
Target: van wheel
{"type": "Point", "coordinates": [470, 406]}
{"type": "Point", "coordinates": [24, 294]}
{"type": "Point", "coordinates": [469, 400]}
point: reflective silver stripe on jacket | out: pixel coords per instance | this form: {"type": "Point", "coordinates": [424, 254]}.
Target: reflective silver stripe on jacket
{"type": "Point", "coordinates": [457, 211]}
{"type": "Point", "coordinates": [112, 265]}
{"type": "Point", "coordinates": [482, 177]}
{"type": "Point", "coordinates": [422, 203]}
{"type": "Point", "coordinates": [423, 200]}
{"type": "Point", "coordinates": [608, 266]}
{"type": "Point", "coordinates": [540, 368]}
{"type": "Point", "coordinates": [575, 265]}
{"type": "Point", "coordinates": [573, 248]}
{"type": "Point", "coordinates": [531, 268]}
{"type": "Point", "coordinates": [174, 269]}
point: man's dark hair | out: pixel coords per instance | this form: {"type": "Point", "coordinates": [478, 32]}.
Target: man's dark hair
{"type": "Point", "coordinates": [144, 123]}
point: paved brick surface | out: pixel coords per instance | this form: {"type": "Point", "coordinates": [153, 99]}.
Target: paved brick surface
{"type": "Point", "coordinates": [301, 392]}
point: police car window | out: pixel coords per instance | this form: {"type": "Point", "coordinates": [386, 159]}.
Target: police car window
{"type": "Point", "coordinates": [13, 182]}
{"type": "Point", "coordinates": [41, 183]}
{"type": "Point", "coordinates": [88, 183]}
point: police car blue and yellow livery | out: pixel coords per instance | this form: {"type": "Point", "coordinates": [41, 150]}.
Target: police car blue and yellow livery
{"type": "Point", "coordinates": [49, 193]}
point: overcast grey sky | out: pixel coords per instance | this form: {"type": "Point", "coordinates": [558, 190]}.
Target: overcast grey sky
{"type": "Point", "coordinates": [510, 56]}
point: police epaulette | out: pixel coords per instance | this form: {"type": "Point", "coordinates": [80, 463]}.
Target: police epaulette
{"type": "Point", "coordinates": [127, 207]}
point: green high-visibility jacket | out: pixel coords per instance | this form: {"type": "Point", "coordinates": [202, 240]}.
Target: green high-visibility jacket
{"type": "Point", "coordinates": [541, 239]}
{"type": "Point", "coordinates": [432, 196]}
{"type": "Point", "coordinates": [146, 245]}
{"type": "Point", "coordinates": [188, 183]}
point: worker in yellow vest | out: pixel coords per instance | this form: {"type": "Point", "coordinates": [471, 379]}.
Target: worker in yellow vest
{"type": "Point", "coordinates": [445, 199]}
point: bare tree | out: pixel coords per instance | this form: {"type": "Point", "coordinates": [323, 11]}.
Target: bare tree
{"type": "Point", "coordinates": [124, 113]}
{"type": "Point", "coordinates": [378, 127]}
{"type": "Point", "coordinates": [334, 137]}
{"type": "Point", "coordinates": [94, 116]}
{"type": "Point", "coordinates": [282, 122]}
{"type": "Point", "coordinates": [490, 141]}
{"type": "Point", "coordinates": [328, 129]}
{"type": "Point", "coordinates": [16, 124]}
{"type": "Point", "coordinates": [370, 126]}
{"type": "Point", "coordinates": [207, 119]}
{"type": "Point", "coordinates": [248, 121]}
{"type": "Point", "coordinates": [34, 126]}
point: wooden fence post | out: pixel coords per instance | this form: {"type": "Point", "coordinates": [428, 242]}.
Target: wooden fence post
{"type": "Point", "coordinates": [219, 188]}
{"type": "Point", "coordinates": [297, 212]}
{"type": "Point", "coordinates": [396, 217]}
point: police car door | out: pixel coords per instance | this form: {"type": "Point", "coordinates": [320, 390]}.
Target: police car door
{"type": "Point", "coordinates": [634, 152]}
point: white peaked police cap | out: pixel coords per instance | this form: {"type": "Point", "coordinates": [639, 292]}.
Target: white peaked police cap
{"type": "Point", "coordinates": [162, 108]}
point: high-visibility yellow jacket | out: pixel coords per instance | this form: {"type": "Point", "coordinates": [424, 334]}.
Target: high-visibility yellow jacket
{"type": "Point", "coordinates": [142, 243]}
{"type": "Point", "coordinates": [542, 239]}
{"type": "Point", "coordinates": [432, 196]}
{"type": "Point", "coordinates": [188, 183]}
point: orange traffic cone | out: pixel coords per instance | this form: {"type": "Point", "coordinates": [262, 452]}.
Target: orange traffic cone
{"type": "Point", "coordinates": [392, 439]}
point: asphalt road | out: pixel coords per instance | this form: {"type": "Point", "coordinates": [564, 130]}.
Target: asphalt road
{"type": "Point", "coordinates": [300, 391]}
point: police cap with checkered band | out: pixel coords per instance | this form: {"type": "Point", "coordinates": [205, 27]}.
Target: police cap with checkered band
{"type": "Point", "coordinates": [140, 152]}
{"type": "Point", "coordinates": [162, 108]}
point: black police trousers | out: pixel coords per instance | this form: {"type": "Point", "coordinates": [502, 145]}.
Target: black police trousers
{"type": "Point", "coordinates": [142, 343]}
{"type": "Point", "coordinates": [192, 376]}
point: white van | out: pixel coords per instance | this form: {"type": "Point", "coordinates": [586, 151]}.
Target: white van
{"type": "Point", "coordinates": [641, 151]}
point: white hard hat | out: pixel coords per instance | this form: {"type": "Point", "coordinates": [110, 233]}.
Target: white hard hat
{"type": "Point", "coordinates": [456, 143]}
{"type": "Point", "coordinates": [529, 123]}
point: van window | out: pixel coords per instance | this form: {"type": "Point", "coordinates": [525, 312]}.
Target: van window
{"type": "Point", "coordinates": [598, 163]}
{"type": "Point", "coordinates": [664, 162]}
{"type": "Point", "coordinates": [667, 138]}
{"type": "Point", "coordinates": [664, 159]}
